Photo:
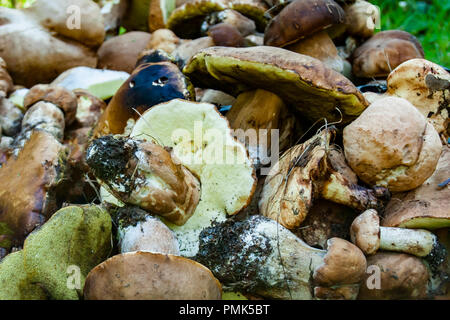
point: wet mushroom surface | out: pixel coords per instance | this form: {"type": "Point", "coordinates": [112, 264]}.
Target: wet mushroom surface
{"type": "Point", "coordinates": [220, 149]}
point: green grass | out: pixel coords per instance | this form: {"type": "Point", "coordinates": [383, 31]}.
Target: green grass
{"type": "Point", "coordinates": [428, 20]}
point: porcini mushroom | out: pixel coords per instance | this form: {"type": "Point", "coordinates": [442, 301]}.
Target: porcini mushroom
{"type": "Point", "coordinates": [151, 276]}
{"type": "Point", "coordinates": [300, 81]}
{"type": "Point", "coordinates": [38, 45]}
{"type": "Point", "coordinates": [305, 173]}
{"type": "Point", "coordinates": [392, 145]}
{"type": "Point", "coordinates": [367, 234]}
{"type": "Point", "coordinates": [383, 52]}
{"type": "Point", "coordinates": [259, 256]}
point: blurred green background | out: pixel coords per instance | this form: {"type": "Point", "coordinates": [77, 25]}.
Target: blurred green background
{"type": "Point", "coordinates": [428, 20]}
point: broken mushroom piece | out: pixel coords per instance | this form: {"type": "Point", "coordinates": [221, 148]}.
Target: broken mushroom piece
{"type": "Point", "coordinates": [30, 181]}
{"type": "Point", "coordinates": [427, 86]}
{"type": "Point", "coordinates": [121, 52]}
{"type": "Point", "coordinates": [151, 276]}
{"type": "Point", "coordinates": [302, 82]}
{"type": "Point", "coordinates": [147, 86]}
{"type": "Point", "coordinates": [38, 45]}
{"type": "Point", "coordinates": [383, 52]}
{"type": "Point", "coordinates": [305, 173]}
{"type": "Point", "coordinates": [259, 256]}
{"type": "Point", "coordinates": [394, 276]}
{"type": "Point", "coordinates": [425, 207]}
{"type": "Point", "coordinates": [367, 234]}
{"type": "Point", "coordinates": [145, 174]}
{"type": "Point", "coordinates": [203, 142]}
{"type": "Point", "coordinates": [392, 145]}
{"type": "Point", "coordinates": [139, 231]}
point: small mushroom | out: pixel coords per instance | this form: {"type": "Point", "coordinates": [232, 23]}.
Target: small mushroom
{"type": "Point", "coordinates": [139, 231]}
{"type": "Point", "coordinates": [305, 173]}
{"type": "Point", "coordinates": [151, 276]}
{"type": "Point", "coordinates": [401, 276]}
{"type": "Point", "coordinates": [145, 174]}
{"type": "Point", "coordinates": [361, 19]}
{"type": "Point", "coordinates": [302, 82]}
{"type": "Point", "coordinates": [244, 25]}
{"type": "Point", "coordinates": [367, 234]}
{"type": "Point", "coordinates": [163, 39]}
{"type": "Point", "coordinates": [383, 52]}
{"type": "Point", "coordinates": [147, 86]}
{"type": "Point", "coordinates": [185, 51]}
{"type": "Point", "coordinates": [121, 52]}
{"type": "Point", "coordinates": [226, 35]}
{"type": "Point", "coordinates": [392, 145]}
{"type": "Point", "coordinates": [259, 256]}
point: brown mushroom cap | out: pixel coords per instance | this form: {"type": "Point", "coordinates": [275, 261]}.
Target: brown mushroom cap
{"type": "Point", "coordinates": [383, 52]}
{"type": "Point", "coordinates": [300, 19]}
{"type": "Point", "coordinates": [121, 53]}
{"type": "Point", "coordinates": [402, 277]}
{"type": "Point", "coordinates": [61, 97]}
{"type": "Point", "coordinates": [426, 206]}
{"type": "Point", "coordinates": [151, 276]}
{"type": "Point", "coordinates": [303, 82]}
{"type": "Point", "coordinates": [365, 231]}
{"type": "Point", "coordinates": [392, 145]}
{"type": "Point", "coordinates": [343, 264]}
{"type": "Point", "coordinates": [163, 39]}
{"type": "Point", "coordinates": [6, 82]}
{"type": "Point", "coordinates": [224, 34]}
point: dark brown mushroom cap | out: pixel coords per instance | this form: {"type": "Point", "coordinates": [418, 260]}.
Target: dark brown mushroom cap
{"type": "Point", "coordinates": [344, 263]}
{"type": "Point", "coordinates": [300, 19]}
{"type": "Point", "coordinates": [65, 99]}
{"type": "Point", "coordinates": [27, 196]}
{"type": "Point", "coordinates": [121, 53]}
{"type": "Point", "coordinates": [253, 9]}
{"type": "Point", "coordinates": [402, 277]}
{"type": "Point", "coordinates": [151, 276]}
{"type": "Point", "coordinates": [302, 82]}
{"type": "Point", "coordinates": [427, 206]}
{"type": "Point", "coordinates": [224, 34]}
{"type": "Point", "coordinates": [383, 52]}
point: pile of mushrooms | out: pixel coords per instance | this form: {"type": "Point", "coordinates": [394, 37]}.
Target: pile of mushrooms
{"type": "Point", "coordinates": [207, 149]}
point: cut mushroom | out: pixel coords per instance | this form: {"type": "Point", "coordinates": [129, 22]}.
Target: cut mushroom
{"type": "Point", "coordinates": [367, 234]}
{"type": "Point", "coordinates": [305, 173]}
{"type": "Point", "coordinates": [383, 52]}
{"type": "Point", "coordinates": [302, 82]}
{"type": "Point", "coordinates": [148, 85]}
{"type": "Point", "coordinates": [151, 276]}
{"type": "Point", "coordinates": [261, 257]}
{"type": "Point", "coordinates": [392, 145]}
{"type": "Point", "coordinates": [145, 174]}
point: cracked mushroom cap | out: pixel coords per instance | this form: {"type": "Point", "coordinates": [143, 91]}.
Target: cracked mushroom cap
{"type": "Point", "coordinates": [147, 86]}
{"type": "Point", "coordinates": [151, 276]}
{"type": "Point", "coordinates": [365, 231]}
{"type": "Point", "coordinates": [343, 264]}
{"type": "Point", "coordinates": [301, 81]}
{"type": "Point", "coordinates": [392, 145]}
{"type": "Point", "coordinates": [427, 86]}
{"type": "Point", "coordinates": [121, 52]}
{"type": "Point", "coordinates": [302, 18]}
{"type": "Point", "coordinates": [203, 142]}
{"type": "Point", "coordinates": [65, 99]}
{"type": "Point", "coordinates": [384, 52]}
{"type": "Point", "coordinates": [427, 206]}
{"type": "Point", "coordinates": [402, 276]}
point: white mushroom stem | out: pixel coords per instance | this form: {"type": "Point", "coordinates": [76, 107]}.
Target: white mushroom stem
{"type": "Point", "coordinates": [417, 242]}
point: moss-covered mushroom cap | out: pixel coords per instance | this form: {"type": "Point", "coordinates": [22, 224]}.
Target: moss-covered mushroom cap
{"type": "Point", "coordinates": [302, 82]}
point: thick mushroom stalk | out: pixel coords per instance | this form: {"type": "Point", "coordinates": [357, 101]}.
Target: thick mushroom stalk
{"type": "Point", "coordinates": [259, 256]}
{"type": "Point", "coordinates": [304, 173]}
{"type": "Point", "coordinates": [367, 234]}
{"type": "Point", "coordinates": [145, 174]}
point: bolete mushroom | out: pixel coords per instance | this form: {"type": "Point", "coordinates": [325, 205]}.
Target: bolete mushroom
{"type": "Point", "coordinates": [305, 173]}
{"type": "Point", "coordinates": [302, 82]}
{"type": "Point", "coordinates": [151, 276]}
{"type": "Point", "coordinates": [43, 40]}
{"type": "Point", "coordinates": [367, 234]}
{"type": "Point", "coordinates": [259, 256]}
{"type": "Point", "coordinates": [148, 85]}
{"type": "Point", "coordinates": [392, 145]}
{"type": "Point", "coordinates": [383, 52]}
